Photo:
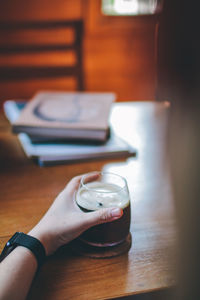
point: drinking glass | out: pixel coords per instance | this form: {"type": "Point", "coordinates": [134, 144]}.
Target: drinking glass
{"type": "Point", "coordinates": [99, 190]}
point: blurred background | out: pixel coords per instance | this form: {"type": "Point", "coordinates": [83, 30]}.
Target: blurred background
{"type": "Point", "coordinates": [116, 47]}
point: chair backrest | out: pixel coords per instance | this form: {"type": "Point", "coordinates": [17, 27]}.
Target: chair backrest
{"type": "Point", "coordinates": [29, 71]}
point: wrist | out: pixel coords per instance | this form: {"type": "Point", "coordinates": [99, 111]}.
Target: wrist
{"type": "Point", "coordinates": [27, 254]}
{"type": "Point", "coordinates": [43, 237]}
{"type": "Point", "coordinates": [26, 241]}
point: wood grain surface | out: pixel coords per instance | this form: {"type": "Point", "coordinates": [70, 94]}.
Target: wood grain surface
{"type": "Point", "coordinates": [27, 190]}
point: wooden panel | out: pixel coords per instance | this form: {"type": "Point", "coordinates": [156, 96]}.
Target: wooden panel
{"type": "Point", "coordinates": [32, 61]}
{"type": "Point", "coordinates": [25, 89]}
{"type": "Point", "coordinates": [122, 64]}
{"type": "Point", "coordinates": [118, 51]}
{"type": "Point", "coordinates": [39, 59]}
{"type": "Point", "coordinates": [40, 10]}
{"type": "Point", "coordinates": [31, 37]}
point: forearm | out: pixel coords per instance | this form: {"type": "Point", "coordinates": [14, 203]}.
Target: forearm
{"type": "Point", "coordinates": [16, 274]}
{"type": "Point", "coordinates": [63, 222]}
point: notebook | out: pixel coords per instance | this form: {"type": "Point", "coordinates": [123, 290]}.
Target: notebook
{"type": "Point", "coordinates": [46, 154]}
{"type": "Point", "coordinates": [66, 115]}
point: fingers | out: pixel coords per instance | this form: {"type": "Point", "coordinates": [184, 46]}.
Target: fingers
{"type": "Point", "coordinates": [91, 177]}
{"type": "Point", "coordinates": [102, 216]}
{"type": "Point", "coordinates": [73, 184]}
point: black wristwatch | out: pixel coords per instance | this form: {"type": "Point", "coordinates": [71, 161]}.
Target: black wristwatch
{"type": "Point", "coordinates": [25, 240]}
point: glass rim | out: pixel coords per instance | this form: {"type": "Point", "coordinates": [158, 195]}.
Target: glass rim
{"type": "Point", "coordinates": [104, 173]}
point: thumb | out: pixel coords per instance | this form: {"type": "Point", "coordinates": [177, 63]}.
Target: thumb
{"type": "Point", "coordinates": [103, 215]}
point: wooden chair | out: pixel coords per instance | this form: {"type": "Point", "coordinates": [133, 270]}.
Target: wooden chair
{"type": "Point", "coordinates": [33, 71]}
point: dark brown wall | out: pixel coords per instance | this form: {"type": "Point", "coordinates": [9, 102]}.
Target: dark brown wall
{"type": "Point", "coordinates": [118, 51]}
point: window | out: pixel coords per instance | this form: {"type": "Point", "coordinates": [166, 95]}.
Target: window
{"type": "Point", "coordinates": [131, 7]}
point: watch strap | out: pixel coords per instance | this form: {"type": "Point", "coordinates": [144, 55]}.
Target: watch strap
{"type": "Point", "coordinates": [25, 240]}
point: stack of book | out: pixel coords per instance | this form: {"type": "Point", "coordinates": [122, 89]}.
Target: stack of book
{"type": "Point", "coordinates": [60, 127]}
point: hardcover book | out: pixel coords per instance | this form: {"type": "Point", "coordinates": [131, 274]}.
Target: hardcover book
{"type": "Point", "coordinates": [66, 115]}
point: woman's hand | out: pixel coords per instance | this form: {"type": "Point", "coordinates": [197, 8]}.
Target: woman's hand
{"type": "Point", "coordinates": [64, 221]}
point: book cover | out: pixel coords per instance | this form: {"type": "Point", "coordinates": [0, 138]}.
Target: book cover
{"type": "Point", "coordinates": [73, 115]}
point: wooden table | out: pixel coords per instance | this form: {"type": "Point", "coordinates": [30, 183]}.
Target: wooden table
{"type": "Point", "coordinates": [27, 190]}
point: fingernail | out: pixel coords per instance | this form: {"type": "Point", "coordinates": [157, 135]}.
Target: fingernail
{"type": "Point", "coordinates": [116, 212]}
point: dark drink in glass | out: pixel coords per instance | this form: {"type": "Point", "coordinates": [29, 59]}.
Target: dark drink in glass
{"type": "Point", "coordinates": [101, 190]}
